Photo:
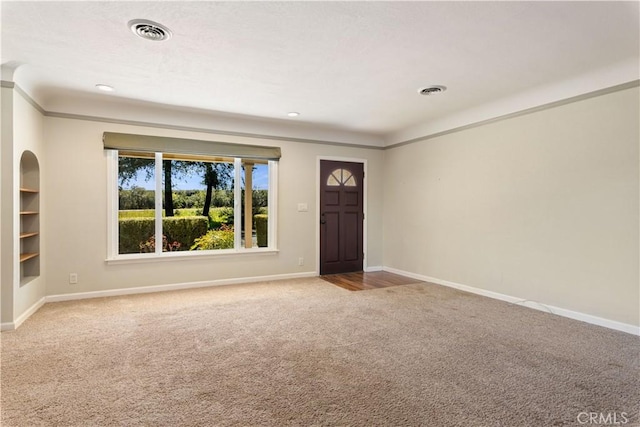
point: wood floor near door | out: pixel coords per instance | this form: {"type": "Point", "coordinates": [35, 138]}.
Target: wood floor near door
{"type": "Point", "coordinates": [362, 281]}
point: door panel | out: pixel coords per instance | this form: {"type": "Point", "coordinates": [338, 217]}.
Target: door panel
{"type": "Point", "coordinates": [351, 198]}
{"type": "Point", "coordinates": [341, 217]}
{"type": "Point", "coordinates": [351, 247]}
{"type": "Point", "coordinates": [332, 240]}
{"type": "Point", "coordinates": [332, 198]}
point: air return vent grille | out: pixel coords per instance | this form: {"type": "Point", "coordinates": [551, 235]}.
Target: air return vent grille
{"type": "Point", "coordinates": [432, 90]}
{"type": "Point", "coordinates": [149, 30]}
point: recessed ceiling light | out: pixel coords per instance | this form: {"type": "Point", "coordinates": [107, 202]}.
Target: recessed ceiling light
{"type": "Point", "coordinates": [293, 114]}
{"type": "Point", "coordinates": [149, 30]}
{"type": "Point", "coordinates": [432, 90]}
{"type": "Point", "coordinates": [105, 88]}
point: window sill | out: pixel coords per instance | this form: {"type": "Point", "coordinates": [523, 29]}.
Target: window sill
{"type": "Point", "coordinates": [187, 255]}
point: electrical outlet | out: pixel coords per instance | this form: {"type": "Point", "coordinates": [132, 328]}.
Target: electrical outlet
{"type": "Point", "coordinates": [73, 278]}
{"type": "Point", "coordinates": [300, 261]}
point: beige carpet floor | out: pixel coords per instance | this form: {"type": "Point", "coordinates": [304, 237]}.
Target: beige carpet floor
{"type": "Point", "coordinates": [307, 353]}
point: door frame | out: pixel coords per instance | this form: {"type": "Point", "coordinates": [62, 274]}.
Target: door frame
{"type": "Point", "coordinates": [364, 205]}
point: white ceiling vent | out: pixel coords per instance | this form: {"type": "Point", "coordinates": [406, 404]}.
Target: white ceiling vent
{"type": "Point", "coordinates": [432, 90]}
{"type": "Point", "coordinates": [149, 30]}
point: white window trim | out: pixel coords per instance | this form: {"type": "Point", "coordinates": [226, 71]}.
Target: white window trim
{"type": "Point", "coordinates": [272, 205]}
{"type": "Point", "coordinates": [158, 202]}
{"type": "Point", "coordinates": [237, 202]}
{"type": "Point", "coordinates": [113, 257]}
{"type": "Point", "coordinates": [113, 241]}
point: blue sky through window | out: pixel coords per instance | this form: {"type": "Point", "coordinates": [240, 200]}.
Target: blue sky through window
{"type": "Point", "coordinates": [260, 180]}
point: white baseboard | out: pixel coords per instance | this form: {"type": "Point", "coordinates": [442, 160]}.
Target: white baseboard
{"type": "Point", "coordinates": [373, 268]}
{"type": "Point", "coordinates": [7, 326]}
{"type": "Point", "coordinates": [595, 320]}
{"type": "Point", "coordinates": [175, 286]}
{"type": "Point", "coordinates": [583, 317]}
{"type": "Point", "coordinates": [10, 326]}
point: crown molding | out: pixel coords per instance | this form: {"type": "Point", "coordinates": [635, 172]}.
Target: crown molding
{"type": "Point", "coordinates": [141, 123]}
{"type": "Point", "coordinates": [546, 106]}
{"type": "Point", "coordinates": [550, 105]}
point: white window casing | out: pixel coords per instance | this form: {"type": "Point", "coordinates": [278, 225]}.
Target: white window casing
{"type": "Point", "coordinates": [113, 255]}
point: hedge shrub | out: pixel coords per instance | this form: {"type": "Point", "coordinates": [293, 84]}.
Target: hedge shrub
{"type": "Point", "coordinates": [217, 216]}
{"type": "Point", "coordinates": [220, 216]}
{"type": "Point", "coordinates": [215, 239]}
{"type": "Point", "coordinates": [150, 213]}
{"type": "Point", "coordinates": [262, 222]}
{"type": "Point", "coordinates": [133, 232]}
{"type": "Point", "coordinates": [184, 230]}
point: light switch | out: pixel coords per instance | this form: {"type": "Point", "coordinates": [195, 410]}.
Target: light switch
{"type": "Point", "coordinates": [302, 207]}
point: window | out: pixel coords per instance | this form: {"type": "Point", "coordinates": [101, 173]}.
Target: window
{"type": "Point", "coordinates": [170, 204]}
{"type": "Point", "coordinates": [341, 177]}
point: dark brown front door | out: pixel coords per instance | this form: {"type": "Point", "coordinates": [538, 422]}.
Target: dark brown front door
{"type": "Point", "coordinates": [341, 216]}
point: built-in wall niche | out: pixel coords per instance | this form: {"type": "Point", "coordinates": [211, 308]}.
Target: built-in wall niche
{"type": "Point", "coordinates": [29, 217]}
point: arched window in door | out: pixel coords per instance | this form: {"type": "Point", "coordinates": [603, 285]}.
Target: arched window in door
{"type": "Point", "coordinates": [341, 177]}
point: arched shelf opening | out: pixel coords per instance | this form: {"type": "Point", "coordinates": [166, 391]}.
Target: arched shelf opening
{"type": "Point", "coordinates": [29, 217]}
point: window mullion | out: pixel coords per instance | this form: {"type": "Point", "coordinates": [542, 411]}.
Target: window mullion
{"type": "Point", "coordinates": [158, 201]}
{"type": "Point", "coordinates": [237, 200]}
{"type": "Point", "coordinates": [272, 207]}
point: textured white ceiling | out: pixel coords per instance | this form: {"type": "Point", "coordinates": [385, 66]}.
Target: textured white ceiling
{"type": "Point", "coordinates": [353, 66]}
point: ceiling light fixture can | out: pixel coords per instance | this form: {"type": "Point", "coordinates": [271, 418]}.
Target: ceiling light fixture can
{"type": "Point", "coordinates": [149, 30]}
{"type": "Point", "coordinates": [293, 114]}
{"type": "Point", "coordinates": [105, 88]}
{"type": "Point", "coordinates": [432, 90]}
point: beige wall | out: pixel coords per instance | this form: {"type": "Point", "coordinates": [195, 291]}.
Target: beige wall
{"type": "Point", "coordinates": [28, 135]}
{"type": "Point", "coordinates": [6, 209]}
{"type": "Point", "coordinates": [22, 129]}
{"type": "Point", "coordinates": [542, 207]}
{"type": "Point", "coordinates": [76, 221]}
